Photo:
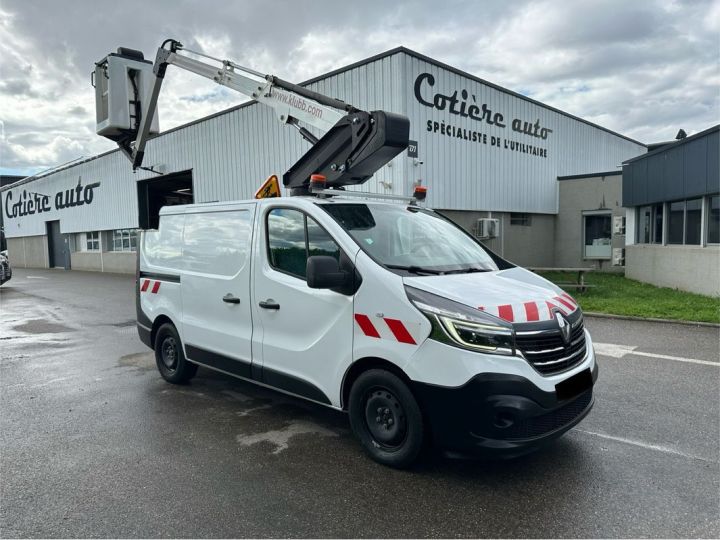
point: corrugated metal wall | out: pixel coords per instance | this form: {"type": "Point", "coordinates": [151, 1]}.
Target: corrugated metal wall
{"type": "Point", "coordinates": [232, 153]}
{"type": "Point", "coordinates": [467, 175]}
{"type": "Point", "coordinates": [686, 169]}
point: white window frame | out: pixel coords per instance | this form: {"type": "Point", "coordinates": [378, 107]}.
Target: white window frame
{"type": "Point", "coordinates": [591, 213]}
{"type": "Point", "coordinates": [91, 238]}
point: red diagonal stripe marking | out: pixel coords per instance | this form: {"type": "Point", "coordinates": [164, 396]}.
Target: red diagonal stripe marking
{"type": "Point", "coordinates": [145, 285]}
{"type": "Point", "coordinates": [156, 287]}
{"type": "Point", "coordinates": [366, 325]}
{"type": "Point", "coordinates": [531, 311]}
{"type": "Point", "coordinates": [565, 303]}
{"type": "Point", "coordinates": [399, 331]}
{"type": "Point", "coordinates": [569, 298]}
{"type": "Point", "coordinates": [506, 312]}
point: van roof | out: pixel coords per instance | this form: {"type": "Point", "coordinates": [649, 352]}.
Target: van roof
{"type": "Point", "coordinates": [291, 201]}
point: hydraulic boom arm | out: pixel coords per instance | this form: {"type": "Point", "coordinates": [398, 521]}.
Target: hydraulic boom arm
{"type": "Point", "coordinates": [355, 144]}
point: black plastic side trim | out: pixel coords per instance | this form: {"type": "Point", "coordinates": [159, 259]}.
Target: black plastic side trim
{"type": "Point", "coordinates": [240, 368]}
{"type": "Point", "coordinates": [139, 313]}
{"type": "Point", "coordinates": [291, 384]}
{"type": "Point", "coordinates": [253, 372]}
{"type": "Point", "coordinates": [144, 335]}
{"type": "Point", "coordinates": [173, 278]}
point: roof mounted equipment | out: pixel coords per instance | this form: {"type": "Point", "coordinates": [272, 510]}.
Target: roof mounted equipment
{"type": "Point", "coordinates": [355, 145]}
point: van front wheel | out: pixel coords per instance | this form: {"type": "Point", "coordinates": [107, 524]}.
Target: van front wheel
{"type": "Point", "coordinates": [170, 358]}
{"type": "Point", "coordinates": [386, 418]}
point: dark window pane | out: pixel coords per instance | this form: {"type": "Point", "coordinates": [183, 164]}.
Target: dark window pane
{"type": "Point", "coordinates": [598, 237]}
{"type": "Point", "coordinates": [521, 219]}
{"type": "Point", "coordinates": [676, 217]}
{"type": "Point", "coordinates": [657, 213]}
{"type": "Point", "coordinates": [320, 242]}
{"type": "Point", "coordinates": [644, 225]}
{"type": "Point", "coordinates": [286, 241]}
{"type": "Point", "coordinates": [714, 220]}
{"type": "Point", "coordinates": [693, 221]}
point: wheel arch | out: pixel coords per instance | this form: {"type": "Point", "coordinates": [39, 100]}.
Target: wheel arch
{"type": "Point", "coordinates": [157, 323]}
{"type": "Point", "coordinates": [362, 365]}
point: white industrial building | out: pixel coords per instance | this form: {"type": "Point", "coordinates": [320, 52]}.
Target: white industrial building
{"type": "Point", "coordinates": [482, 151]}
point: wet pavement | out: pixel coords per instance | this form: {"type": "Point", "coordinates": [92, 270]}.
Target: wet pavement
{"type": "Point", "coordinates": [94, 443]}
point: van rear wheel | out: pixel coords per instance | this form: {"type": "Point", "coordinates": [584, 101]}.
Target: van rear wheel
{"type": "Point", "coordinates": [386, 418]}
{"type": "Point", "coordinates": [169, 356]}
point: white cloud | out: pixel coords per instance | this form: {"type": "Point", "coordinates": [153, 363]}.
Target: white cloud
{"type": "Point", "coordinates": [644, 68]}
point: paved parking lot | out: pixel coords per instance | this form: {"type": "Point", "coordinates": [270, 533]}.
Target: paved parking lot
{"type": "Point", "coordinates": [94, 443]}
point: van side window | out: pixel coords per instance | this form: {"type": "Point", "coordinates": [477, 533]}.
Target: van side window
{"type": "Point", "coordinates": [293, 237]}
{"type": "Point", "coordinates": [216, 242]}
{"type": "Point", "coordinates": [286, 241]}
{"type": "Point", "coordinates": [320, 242]}
{"type": "Point", "coordinates": [163, 247]}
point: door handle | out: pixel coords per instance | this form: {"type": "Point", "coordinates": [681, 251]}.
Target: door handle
{"type": "Point", "coordinates": [269, 304]}
{"type": "Point", "coordinates": [230, 299]}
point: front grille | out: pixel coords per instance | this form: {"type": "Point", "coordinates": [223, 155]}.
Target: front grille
{"type": "Point", "coordinates": [551, 421]}
{"type": "Point", "coordinates": [548, 353]}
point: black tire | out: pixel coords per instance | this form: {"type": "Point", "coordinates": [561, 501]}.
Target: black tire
{"type": "Point", "coordinates": [386, 418]}
{"type": "Point", "coordinates": [170, 358]}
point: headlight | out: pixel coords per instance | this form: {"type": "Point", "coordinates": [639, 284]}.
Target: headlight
{"type": "Point", "coordinates": [463, 326]}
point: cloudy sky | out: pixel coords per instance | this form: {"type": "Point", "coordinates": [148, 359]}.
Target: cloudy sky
{"type": "Point", "coordinates": [642, 68]}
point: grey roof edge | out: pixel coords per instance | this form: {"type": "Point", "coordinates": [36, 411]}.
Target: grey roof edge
{"type": "Point", "coordinates": [677, 143]}
{"type": "Point", "coordinates": [359, 63]}
{"type": "Point", "coordinates": [589, 175]}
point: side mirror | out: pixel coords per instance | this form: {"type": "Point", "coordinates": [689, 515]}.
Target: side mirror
{"type": "Point", "coordinates": [324, 272]}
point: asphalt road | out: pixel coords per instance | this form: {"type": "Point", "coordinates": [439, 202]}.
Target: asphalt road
{"type": "Point", "coordinates": [94, 443]}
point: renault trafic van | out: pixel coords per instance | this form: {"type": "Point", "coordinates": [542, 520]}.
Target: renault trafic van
{"type": "Point", "coordinates": [388, 311]}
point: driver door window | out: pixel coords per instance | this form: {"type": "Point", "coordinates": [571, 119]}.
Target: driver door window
{"type": "Point", "coordinates": [293, 237]}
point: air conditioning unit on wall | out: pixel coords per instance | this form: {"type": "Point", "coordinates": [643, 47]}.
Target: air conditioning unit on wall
{"type": "Point", "coordinates": [618, 257]}
{"type": "Point", "coordinates": [487, 228]}
{"type": "Point", "coordinates": [619, 225]}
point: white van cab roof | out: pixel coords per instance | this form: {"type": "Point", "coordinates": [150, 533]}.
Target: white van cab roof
{"type": "Point", "coordinates": [298, 201]}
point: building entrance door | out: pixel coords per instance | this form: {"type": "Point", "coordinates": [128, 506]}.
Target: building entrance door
{"type": "Point", "coordinates": [58, 248]}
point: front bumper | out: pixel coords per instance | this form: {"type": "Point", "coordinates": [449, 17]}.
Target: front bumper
{"type": "Point", "coordinates": [501, 415]}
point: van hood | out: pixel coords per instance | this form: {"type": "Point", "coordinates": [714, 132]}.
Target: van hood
{"type": "Point", "coordinates": [515, 295]}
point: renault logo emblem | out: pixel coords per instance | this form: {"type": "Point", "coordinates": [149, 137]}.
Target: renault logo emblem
{"type": "Point", "coordinates": [563, 326]}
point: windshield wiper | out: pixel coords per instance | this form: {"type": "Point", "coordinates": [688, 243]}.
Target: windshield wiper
{"type": "Point", "coordinates": [414, 269]}
{"type": "Point", "coordinates": [471, 270]}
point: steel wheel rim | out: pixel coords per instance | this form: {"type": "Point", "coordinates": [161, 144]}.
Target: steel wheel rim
{"type": "Point", "coordinates": [169, 353]}
{"type": "Point", "coordinates": [385, 418]}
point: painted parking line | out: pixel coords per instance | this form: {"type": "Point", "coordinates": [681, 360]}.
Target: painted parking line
{"type": "Point", "coordinates": [645, 445]}
{"type": "Point", "coordinates": [619, 351]}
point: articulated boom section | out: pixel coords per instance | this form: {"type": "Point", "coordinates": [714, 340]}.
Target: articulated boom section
{"type": "Point", "coordinates": [356, 143]}
{"type": "Point", "coordinates": [352, 151]}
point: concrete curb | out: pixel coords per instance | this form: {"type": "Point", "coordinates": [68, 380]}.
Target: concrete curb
{"type": "Point", "coordinates": [648, 319]}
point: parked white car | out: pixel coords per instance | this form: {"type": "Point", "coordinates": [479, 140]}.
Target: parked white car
{"type": "Point", "coordinates": [387, 311]}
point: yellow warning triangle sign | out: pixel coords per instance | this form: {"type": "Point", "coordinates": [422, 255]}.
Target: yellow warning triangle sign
{"type": "Point", "coordinates": [269, 189]}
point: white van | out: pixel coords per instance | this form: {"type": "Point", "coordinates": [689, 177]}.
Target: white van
{"type": "Point", "coordinates": [387, 311]}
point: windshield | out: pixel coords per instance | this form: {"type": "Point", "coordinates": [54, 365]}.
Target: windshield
{"type": "Point", "coordinates": [411, 239]}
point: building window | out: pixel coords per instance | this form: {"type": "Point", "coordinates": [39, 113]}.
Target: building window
{"type": "Point", "coordinates": [713, 231]}
{"type": "Point", "coordinates": [92, 241]}
{"type": "Point", "coordinates": [598, 236]}
{"type": "Point", "coordinates": [644, 224]}
{"type": "Point", "coordinates": [522, 219]}
{"type": "Point", "coordinates": [657, 220]}
{"type": "Point", "coordinates": [124, 240]}
{"type": "Point", "coordinates": [676, 222]}
{"type": "Point", "coordinates": [693, 221]}
{"type": "Point", "coordinates": [650, 224]}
